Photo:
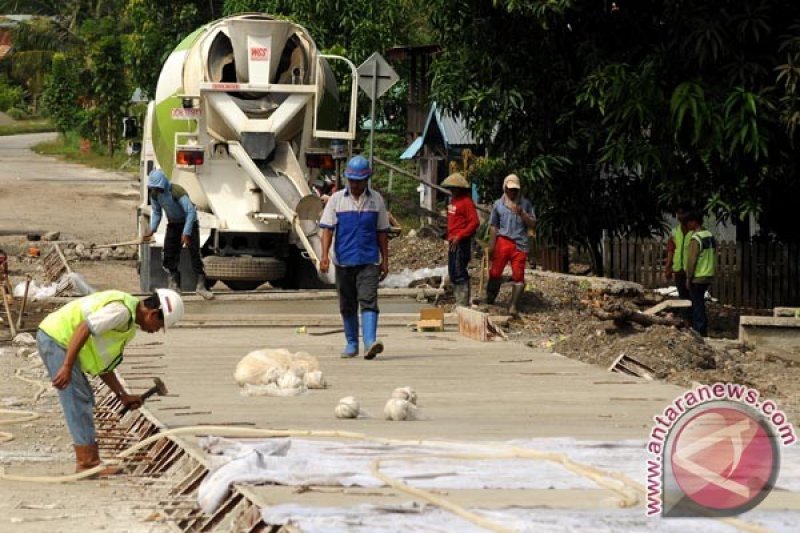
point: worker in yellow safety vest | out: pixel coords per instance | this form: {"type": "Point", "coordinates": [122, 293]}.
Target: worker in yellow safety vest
{"type": "Point", "coordinates": [701, 265]}
{"type": "Point", "coordinates": [678, 252]}
{"type": "Point", "coordinates": [92, 331]}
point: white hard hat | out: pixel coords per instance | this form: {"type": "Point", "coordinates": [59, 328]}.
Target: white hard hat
{"type": "Point", "coordinates": [171, 306]}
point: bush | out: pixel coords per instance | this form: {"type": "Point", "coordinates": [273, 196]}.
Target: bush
{"type": "Point", "coordinates": [17, 113]}
{"type": "Point", "coordinates": [10, 96]}
{"type": "Point", "coordinates": [60, 96]}
{"type": "Point", "coordinates": [489, 173]}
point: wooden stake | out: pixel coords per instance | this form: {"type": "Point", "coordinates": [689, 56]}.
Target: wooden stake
{"type": "Point", "coordinates": [24, 301]}
{"type": "Point", "coordinates": [8, 312]}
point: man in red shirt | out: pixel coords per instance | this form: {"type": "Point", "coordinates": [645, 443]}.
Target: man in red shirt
{"type": "Point", "coordinates": [462, 223]}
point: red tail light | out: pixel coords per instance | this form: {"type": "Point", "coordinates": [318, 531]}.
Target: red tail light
{"type": "Point", "coordinates": [324, 161]}
{"type": "Point", "coordinates": [189, 157]}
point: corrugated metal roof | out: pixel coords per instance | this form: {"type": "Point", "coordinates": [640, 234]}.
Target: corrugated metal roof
{"type": "Point", "coordinates": [412, 149]}
{"type": "Point", "coordinates": [454, 130]}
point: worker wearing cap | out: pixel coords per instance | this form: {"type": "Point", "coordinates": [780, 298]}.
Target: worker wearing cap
{"type": "Point", "coordinates": [511, 217]}
{"type": "Point", "coordinates": [355, 220]}
{"type": "Point", "coordinates": [701, 265]}
{"type": "Point", "coordinates": [182, 229]}
{"type": "Point", "coordinates": [462, 223]}
{"type": "Point", "coordinates": [92, 331]}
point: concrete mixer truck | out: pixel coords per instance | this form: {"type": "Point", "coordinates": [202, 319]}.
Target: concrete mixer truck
{"type": "Point", "coordinates": [246, 114]}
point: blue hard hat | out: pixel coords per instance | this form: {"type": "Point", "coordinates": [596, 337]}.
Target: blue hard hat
{"type": "Point", "coordinates": [357, 169]}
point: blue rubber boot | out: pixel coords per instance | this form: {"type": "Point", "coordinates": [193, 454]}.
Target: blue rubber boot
{"type": "Point", "coordinates": [369, 330]}
{"type": "Point", "coordinates": [351, 335]}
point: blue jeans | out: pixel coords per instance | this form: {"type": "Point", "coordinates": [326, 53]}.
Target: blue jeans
{"type": "Point", "coordinates": [77, 399]}
{"type": "Point", "coordinates": [699, 318]}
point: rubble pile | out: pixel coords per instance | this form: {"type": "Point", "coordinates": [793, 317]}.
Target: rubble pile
{"type": "Point", "coordinates": [666, 350]}
{"type": "Point", "coordinates": [80, 251]}
{"type": "Point", "coordinates": [682, 357]}
{"type": "Point", "coordinates": [413, 252]}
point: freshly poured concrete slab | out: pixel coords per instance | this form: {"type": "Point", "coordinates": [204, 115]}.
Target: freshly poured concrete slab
{"type": "Point", "coordinates": [468, 390]}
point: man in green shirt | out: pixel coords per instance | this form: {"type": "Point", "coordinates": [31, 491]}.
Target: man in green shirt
{"type": "Point", "coordinates": [701, 265]}
{"type": "Point", "coordinates": [678, 251]}
{"type": "Point", "coordinates": [88, 336]}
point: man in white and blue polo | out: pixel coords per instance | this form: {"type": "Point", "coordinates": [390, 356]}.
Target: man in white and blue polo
{"type": "Point", "coordinates": [355, 219]}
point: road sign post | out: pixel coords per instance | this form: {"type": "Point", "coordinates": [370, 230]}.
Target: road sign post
{"type": "Point", "coordinates": [375, 77]}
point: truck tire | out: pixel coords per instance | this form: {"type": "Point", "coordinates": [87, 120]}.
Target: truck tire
{"type": "Point", "coordinates": [239, 285]}
{"type": "Point", "coordinates": [300, 274]}
{"type": "Point", "coordinates": [241, 270]}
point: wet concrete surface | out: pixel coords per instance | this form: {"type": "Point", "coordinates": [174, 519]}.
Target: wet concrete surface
{"type": "Point", "coordinates": [469, 390]}
{"type": "Point", "coordinates": [314, 307]}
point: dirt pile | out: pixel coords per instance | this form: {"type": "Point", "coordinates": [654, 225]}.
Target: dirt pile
{"type": "Point", "coordinates": [665, 349]}
{"type": "Point", "coordinates": [557, 315]}
{"type": "Point", "coordinates": [413, 252]}
{"type": "Point", "coordinates": [682, 357]}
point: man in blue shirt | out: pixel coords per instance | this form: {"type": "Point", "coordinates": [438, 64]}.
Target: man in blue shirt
{"type": "Point", "coordinates": [182, 229]}
{"type": "Point", "coordinates": [512, 216]}
{"type": "Point", "coordinates": [356, 217]}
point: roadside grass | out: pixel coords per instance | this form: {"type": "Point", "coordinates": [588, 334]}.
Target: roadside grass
{"type": "Point", "coordinates": [67, 147]}
{"type": "Point", "coordinates": [39, 125]}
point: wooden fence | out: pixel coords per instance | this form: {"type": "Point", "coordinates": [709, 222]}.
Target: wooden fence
{"type": "Point", "coordinates": [549, 256]}
{"type": "Point", "coordinates": [749, 274]}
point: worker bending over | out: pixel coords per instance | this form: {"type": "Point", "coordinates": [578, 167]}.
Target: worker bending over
{"type": "Point", "coordinates": [87, 336]}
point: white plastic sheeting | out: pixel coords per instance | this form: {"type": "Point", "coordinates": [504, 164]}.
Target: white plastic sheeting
{"type": "Point", "coordinates": [42, 291]}
{"type": "Point", "coordinates": [407, 518]}
{"type": "Point", "coordinates": [296, 462]}
{"type": "Point", "coordinates": [401, 280]}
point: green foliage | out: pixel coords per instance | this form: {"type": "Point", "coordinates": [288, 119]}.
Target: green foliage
{"type": "Point", "coordinates": [489, 173]}
{"type": "Point", "coordinates": [10, 96]}
{"type": "Point", "coordinates": [26, 126]}
{"type": "Point", "coordinates": [156, 28]}
{"type": "Point", "coordinates": [403, 196]}
{"type": "Point", "coordinates": [35, 43]}
{"type": "Point", "coordinates": [109, 88]}
{"type": "Point", "coordinates": [60, 97]}
{"type": "Point", "coordinates": [68, 147]}
{"type": "Point", "coordinates": [356, 27]}
{"type": "Point", "coordinates": [353, 29]}
{"type": "Point", "coordinates": [616, 113]}
{"type": "Point", "coordinates": [17, 113]}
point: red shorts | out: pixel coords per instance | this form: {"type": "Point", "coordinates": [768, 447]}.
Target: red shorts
{"type": "Point", "coordinates": [505, 251]}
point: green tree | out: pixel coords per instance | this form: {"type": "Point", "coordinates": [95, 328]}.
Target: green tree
{"type": "Point", "coordinates": [109, 89]}
{"type": "Point", "coordinates": [617, 110]}
{"type": "Point", "coordinates": [10, 95]}
{"type": "Point", "coordinates": [60, 97]}
{"type": "Point", "coordinates": [156, 28]}
{"type": "Point", "coordinates": [357, 28]}
{"type": "Point", "coordinates": [35, 43]}
{"type": "Point", "coordinates": [354, 29]}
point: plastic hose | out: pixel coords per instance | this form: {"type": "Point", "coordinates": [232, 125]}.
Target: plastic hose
{"type": "Point", "coordinates": [23, 416]}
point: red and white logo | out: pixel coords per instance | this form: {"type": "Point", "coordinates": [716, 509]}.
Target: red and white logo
{"type": "Point", "coordinates": [715, 451]}
{"type": "Point", "coordinates": [724, 459]}
{"type": "Point", "coordinates": [259, 53]}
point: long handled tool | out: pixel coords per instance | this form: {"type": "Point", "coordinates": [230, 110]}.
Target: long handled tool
{"type": "Point", "coordinates": [158, 388]}
{"type": "Point", "coordinates": [134, 242]}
